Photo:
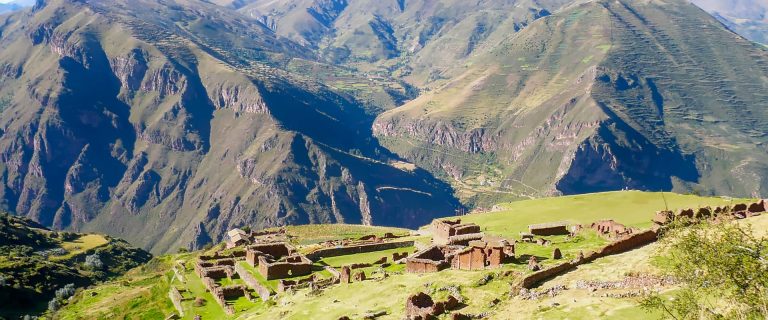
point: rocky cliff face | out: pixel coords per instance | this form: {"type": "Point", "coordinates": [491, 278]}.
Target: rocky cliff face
{"type": "Point", "coordinates": [121, 121]}
{"type": "Point", "coordinates": [635, 104]}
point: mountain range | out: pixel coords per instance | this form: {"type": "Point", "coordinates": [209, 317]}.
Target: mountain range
{"type": "Point", "coordinates": [746, 17]}
{"type": "Point", "coordinates": [168, 122]}
{"type": "Point", "coordinates": [15, 5]}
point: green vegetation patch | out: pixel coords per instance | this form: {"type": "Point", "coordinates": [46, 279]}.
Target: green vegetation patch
{"type": "Point", "coordinates": [632, 208]}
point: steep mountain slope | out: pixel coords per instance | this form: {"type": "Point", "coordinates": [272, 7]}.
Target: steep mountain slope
{"type": "Point", "coordinates": [608, 95]}
{"type": "Point", "coordinates": [168, 122]}
{"type": "Point", "coordinates": [414, 40]}
{"type": "Point", "coordinates": [747, 17]}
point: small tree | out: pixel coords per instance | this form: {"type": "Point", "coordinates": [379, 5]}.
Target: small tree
{"type": "Point", "coordinates": [65, 292]}
{"type": "Point", "coordinates": [53, 305]}
{"type": "Point", "coordinates": [723, 269]}
{"type": "Point", "coordinates": [93, 262]}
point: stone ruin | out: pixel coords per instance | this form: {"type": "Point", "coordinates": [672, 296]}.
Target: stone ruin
{"type": "Point", "coordinates": [370, 239]}
{"type": "Point", "coordinates": [533, 264]}
{"type": "Point", "coordinates": [611, 229]}
{"type": "Point", "coordinates": [459, 246]}
{"type": "Point", "coordinates": [216, 267]}
{"type": "Point", "coordinates": [447, 232]}
{"type": "Point", "coordinates": [421, 306]}
{"type": "Point", "coordinates": [237, 237]}
{"type": "Point", "coordinates": [431, 259]}
{"type": "Point", "coordinates": [527, 237]}
{"type": "Point", "coordinates": [737, 211]}
{"type": "Point", "coordinates": [477, 255]}
{"type": "Point", "coordinates": [549, 229]}
{"type": "Point", "coordinates": [556, 254]}
{"type": "Point", "coordinates": [277, 260]}
{"type": "Point", "coordinates": [399, 256]}
{"type": "Point", "coordinates": [346, 274]}
{"type": "Point", "coordinates": [480, 255]}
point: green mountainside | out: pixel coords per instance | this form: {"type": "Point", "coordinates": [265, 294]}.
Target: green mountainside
{"type": "Point", "coordinates": [602, 96]}
{"type": "Point", "coordinates": [413, 40]}
{"type": "Point", "coordinates": [35, 262]}
{"type": "Point", "coordinates": [168, 123]}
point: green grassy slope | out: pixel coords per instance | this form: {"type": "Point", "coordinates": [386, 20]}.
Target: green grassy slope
{"type": "Point", "coordinates": [633, 208]}
{"type": "Point", "coordinates": [35, 262]}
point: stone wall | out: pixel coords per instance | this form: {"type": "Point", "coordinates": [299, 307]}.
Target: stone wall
{"type": "Point", "coordinates": [421, 306]}
{"type": "Point", "coordinates": [285, 285]}
{"type": "Point", "coordinates": [290, 266]}
{"type": "Point", "coordinates": [610, 229]}
{"type": "Point", "coordinates": [548, 229]}
{"type": "Point", "coordinates": [175, 297]}
{"type": "Point", "coordinates": [636, 240]}
{"type": "Point", "coordinates": [444, 230]}
{"type": "Point", "coordinates": [471, 258]}
{"type": "Point", "coordinates": [335, 274]}
{"type": "Point", "coordinates": [628, 243]}
{"type": "Point", "coordinates": [342, 251]}
{"type": "Point", "coordinates": [263, 292]}
{"type": "Point", "coordinates": [431, 259]}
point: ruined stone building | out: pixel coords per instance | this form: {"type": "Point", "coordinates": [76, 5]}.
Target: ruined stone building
{"type": "Point", "coordinates": [549, 229]}
{"type": "Point", "coordinates": [445, 232]}
{"type": "Point", "coordinates": [277, 260]}
{"type": "Point", "coordinates": [431, 259]}
{"type": "Point", "coordinates": [237, 237]}
{"type": "Point", "coordinates": [611, 229]}
{"type": "Point", "coordinates": [478, 255]}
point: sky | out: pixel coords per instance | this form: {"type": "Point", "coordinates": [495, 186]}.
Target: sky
{"type": "Point", "coordinates": [28, 2]}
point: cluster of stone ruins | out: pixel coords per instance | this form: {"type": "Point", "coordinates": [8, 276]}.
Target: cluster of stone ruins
{"type": "Point", "coordinates": [271, 256]}
{"type": "Point", "coordinates": [455, 245]}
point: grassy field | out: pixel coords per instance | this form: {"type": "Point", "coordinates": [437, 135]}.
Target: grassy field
{"type": "Point", "coordinates": [389, 294]}
{"type": "Point", "coordinates": [632, 208]}
{"type": "Point", "coordinates": [80, 245]}
{"type": "Point", "coordinates": [142, 293]}
{"type": "Point", "coordinates": [368, 257]}
{"type": "Point", "coordinates": [309, 234]}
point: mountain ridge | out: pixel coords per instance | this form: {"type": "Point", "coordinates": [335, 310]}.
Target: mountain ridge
{"type": "Point", "coordinates": [170, 97]}
{"type": "Point", "coordinates": [472, 115]}
{"type": "Point", "coordinates": [169, 122]}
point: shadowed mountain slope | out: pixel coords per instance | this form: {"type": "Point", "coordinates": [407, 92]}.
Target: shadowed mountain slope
{"type": "Point", "coordinates": [169, 122]}
{"type": "Point", "coordinates": [653, 95]}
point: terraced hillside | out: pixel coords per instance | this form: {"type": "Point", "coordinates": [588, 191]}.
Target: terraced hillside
{"type": "Point", "coordinates": [168, 122]}
{"type": "Point", "coordinates": [412, 40]}
{"type": "Point", "coordinates": [479, 289]}
{"type": "Point", "coordinates": [602, 96]}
